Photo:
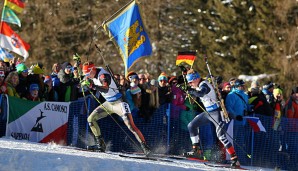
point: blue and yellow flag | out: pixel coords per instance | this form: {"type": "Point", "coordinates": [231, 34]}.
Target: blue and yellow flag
{"type": "Point", "coordinates": [127, 31]}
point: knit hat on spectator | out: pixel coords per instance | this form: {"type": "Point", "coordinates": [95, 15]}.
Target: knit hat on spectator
{"type": "Point", "coordinates": [135, 90]}
{"type": "Point", "coordinates": [47, 78]}
{"type": "Point", "coordinates": [34, 87]}
{"type": "Point", "coordinates": [239, 83]}
{"type": "Point", "coordinates": [295, 90]}
{"type": "Point", "coordinates": [163, 76]}
{"type": "Point", "coordinates": [21, 67]}
{"type": "Point", "coordinates": [268, 85]}
{"type": "Point", "coordinates": [132, 75]}
{"type": "Point", "coordinates": [88, 67]}
{"type": "Point", "coordinates": [37, 70]}
{"type": "Point", "coordinates": [225, 84]}
{"type": "Point", "coordinates": [276, 92]}
{"type": "Point", "coordinates": [173, 79]}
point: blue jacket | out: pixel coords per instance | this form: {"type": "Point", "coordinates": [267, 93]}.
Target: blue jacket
{"type": "Point", "coordinates": [236, 106]}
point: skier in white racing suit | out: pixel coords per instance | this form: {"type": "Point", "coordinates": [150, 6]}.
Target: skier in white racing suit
{"type": "Point", "coordinates": [205, 91]}
{"type": "Point", "coordinates": [102, 81]}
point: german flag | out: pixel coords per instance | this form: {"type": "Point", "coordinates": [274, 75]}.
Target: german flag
{"type": "Point", "coordinates": [187, 57]}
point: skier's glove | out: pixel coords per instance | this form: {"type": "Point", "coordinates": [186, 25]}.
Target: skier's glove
{"type": "Point", "coordinates": [183, 69]}
{"type": "Point", "coordinates": [182, 87]}
{"type": "Point", "coordinates": [85, 83]}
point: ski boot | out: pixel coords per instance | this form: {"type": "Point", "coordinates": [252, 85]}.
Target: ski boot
{"type": "Point", "coordinates": [234, 161]}
{"type": "Point", "coordinates": [195, 153]}
{"type": "Point", "coordinates": [100, 145]}
{"type": "Point", "coordinates": [146, 149]}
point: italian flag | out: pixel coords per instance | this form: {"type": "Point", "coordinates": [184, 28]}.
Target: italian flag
{"type": "Point", "coordinates": [37, 121]}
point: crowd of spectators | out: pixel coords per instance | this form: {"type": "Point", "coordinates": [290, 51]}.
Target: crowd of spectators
{"type": "Point", "coordinates": [145, 94]}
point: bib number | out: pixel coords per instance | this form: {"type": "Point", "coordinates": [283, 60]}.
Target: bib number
{"type": "Point", "coordinates": [125, 108]}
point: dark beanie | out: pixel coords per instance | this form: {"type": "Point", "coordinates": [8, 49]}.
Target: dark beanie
{"type": "Point", "coordinates": [295, 90]}
{"type": "Point", "coordinates": [65, 64]}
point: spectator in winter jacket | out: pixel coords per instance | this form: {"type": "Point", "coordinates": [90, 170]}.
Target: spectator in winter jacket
{"type": "Point", "coordinates": [33, 93]}
{"type": "Point", "coordinates": [36, 77]}
{"type": "Point", "coordinates": [23, 86]}
{"type": "Point", "coordinates": [178, 98]}
{"type": "Point", "coordinates": [237, 107]}
{"type": "Point", "coordinates": [68, 83]}
{"type": "Point", "coordinates": [12, 80]}
{"type": "Point", "coordinates": [258, 101]}
{"type": "Point", "coordinates": [237, 102]}
{"type": "Point", "coordinates": [145, 108]}
{"type": "Point", "coordinates": [291, 107]}
{"type": "Point", "coordinates": [164, 90]}
{"type": "Point", "coordinates": [291, 112]}
{"type": "Point", "coordinates": [3, 86]}
{"type": "Point", "coordinates": [268, 92]}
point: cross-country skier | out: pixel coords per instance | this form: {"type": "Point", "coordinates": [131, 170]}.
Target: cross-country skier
{"type": "Point", "coordinates": [205, 91]}
{"type": "Point", "coordinates": [101, 80]}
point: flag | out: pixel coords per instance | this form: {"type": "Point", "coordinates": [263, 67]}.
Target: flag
{"type": "Point", "coordinates": [11, 41]}
{"type": "Point", "coordinates": [187, 57]}
{"type": "Point", "coordinates": [5, 55]}
{"type": "Point", "coordinates": [255, 123]}
{"type": "Point", "coordinates": [127, 31]}
{"type": "Point", "coordinates": [16, 5]}
{"type": "Point", "coordinates": [37, 121]}
{"type": "Point", "coordinates": [10, 17]}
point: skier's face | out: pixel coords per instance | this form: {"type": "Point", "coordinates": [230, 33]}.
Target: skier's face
{"type": "Point", "coordinates": [194, 83]}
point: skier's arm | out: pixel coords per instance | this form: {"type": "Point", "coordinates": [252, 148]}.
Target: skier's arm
{"type": "Point", "coordinates": [200, 91]}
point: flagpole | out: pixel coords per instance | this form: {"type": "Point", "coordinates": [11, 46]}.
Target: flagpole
{"type": "Point", "coordinates": [126, 5]}
{"type": "Point", "coordinates": [2, 16]}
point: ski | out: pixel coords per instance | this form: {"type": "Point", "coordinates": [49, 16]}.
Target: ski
{"type": "Point", "coordinates": [221, 165]}
{"type": "Point", "coordinates": [143, 157]}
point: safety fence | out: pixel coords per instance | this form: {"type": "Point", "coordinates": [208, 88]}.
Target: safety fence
{"type": "Point", "coordinates": [166, 132]}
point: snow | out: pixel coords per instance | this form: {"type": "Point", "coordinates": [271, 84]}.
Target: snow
{"type": "Point", "coordinates": [29, 156]}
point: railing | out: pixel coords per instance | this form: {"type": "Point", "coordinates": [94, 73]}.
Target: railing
{"type": "Point", "coordinates": [167, 132]}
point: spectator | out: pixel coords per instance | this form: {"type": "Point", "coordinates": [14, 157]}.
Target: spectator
{"type": "Point", "coordinates": [232, 81]}
{"type": "Point", "coordinates": [22, 87]}
{"type": "Point", "coordinates": [12, 80]}
{"type": "Point", "coordinates": [133, 94]}
{"type": "Point", "coordinates": [258, 101]}
{"type": "Point", "coordinates": [50, 93]}
{"type": "Point", "coordinates": [154, 95]}
{"type": "Point", "coordinates": [268, 92]}
{"type": "Point", "coordinates": [237, 106]}
{"type": "Point", "coordinates": [226, 89]}
{"type": "Point", "coordinates": [54, 75]}
{"type": "Point", "coordinates": [36, 77]}
{"type": "Point", "coordinates": [33, 93]}
{"type": "Point", "coordinates": [3, 86]}
{"type": "Point", "coordinates": [147, 90]}
{"type": "Point", "coordinates": [291, 112]}
{"type": "Point", "coordinates": [278, 106]}
{"type": "Point", "coordinates": [164, 90]}
{"type": "Point", "coordinates": [137, 100]}
{"type": "Point", "coordinates": [68, 84]}
{"type": "Point", "coordinates": [178, 99]}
